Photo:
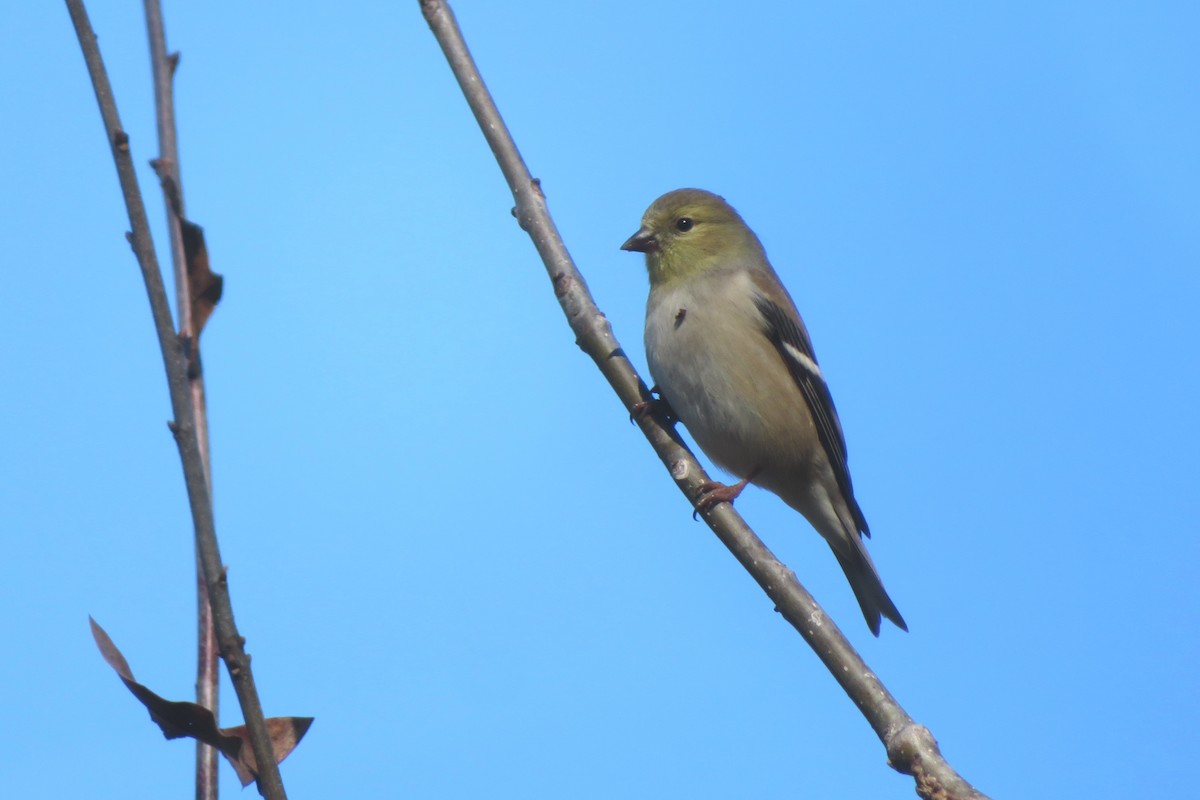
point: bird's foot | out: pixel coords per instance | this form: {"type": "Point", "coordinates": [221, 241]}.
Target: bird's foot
{"type": "Point", "coordinates": [714, 492]}
{"type": "Point", "coordinates": [654, 406]}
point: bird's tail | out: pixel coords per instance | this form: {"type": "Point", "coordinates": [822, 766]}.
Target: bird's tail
{"type": "Point", "coordinates": [868, 588]}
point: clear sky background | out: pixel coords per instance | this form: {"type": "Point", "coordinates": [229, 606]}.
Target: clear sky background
{"type": "Point", "coordinates": [445, 540]}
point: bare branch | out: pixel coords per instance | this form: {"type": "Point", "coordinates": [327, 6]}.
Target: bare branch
{"type": "Point", "coordinates": [910, 747]}
{"type": "Point", "coordinates": [167, 167]}
{"type": "Point", "coordinates": [183, 425]}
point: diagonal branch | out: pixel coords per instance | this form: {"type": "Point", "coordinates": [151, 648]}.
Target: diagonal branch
{"type": "Point", "coordinates": [167, 167]}
{"type": "Point", "coordinates": [910, 747]}
{"type": "Point", "coordinates": [183, 426]}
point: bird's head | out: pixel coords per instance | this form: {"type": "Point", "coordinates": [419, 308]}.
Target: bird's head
{"type": "Point", "coordinates": [688, 232]}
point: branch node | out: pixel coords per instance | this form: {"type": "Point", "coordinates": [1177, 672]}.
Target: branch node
{"type": "Point", "coordinates": [162, 167]}
{"type": "Point", "coordinates": [680, 469]}
{"type": "Point", "coordinates": [173, 62]}
{"type": "Point", "coordinates": [562, 284]}
{"type": "Point", "coordinates": [121, 140]}
{"type": "Point", "coordinates": [522, 221]}
{"type": "Point", "coordinates": [912, 750]}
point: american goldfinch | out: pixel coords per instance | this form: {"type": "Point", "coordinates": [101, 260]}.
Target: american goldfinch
{"type": "Point", "coordinates": [731, 357]}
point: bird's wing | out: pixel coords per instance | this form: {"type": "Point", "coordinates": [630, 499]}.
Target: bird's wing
{"type": "Point", "coordinates": [785, 329]}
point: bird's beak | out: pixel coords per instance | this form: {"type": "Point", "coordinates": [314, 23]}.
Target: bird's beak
{"type": "Point", "coordinates": [643, 241]}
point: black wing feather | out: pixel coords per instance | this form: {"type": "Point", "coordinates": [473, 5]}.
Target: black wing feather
{"type": "Point", "coordinates": [782, 329]}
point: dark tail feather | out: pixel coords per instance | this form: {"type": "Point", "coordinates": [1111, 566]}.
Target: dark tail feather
{"type": "Point", "coordinates": [868, 588]}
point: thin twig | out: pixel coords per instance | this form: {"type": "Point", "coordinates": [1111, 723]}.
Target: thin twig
{"type": "Point", "coordinates": [232, 645]}
{"type": "Point", "coordinates": [167, 167]}
{"type": "Point", "coordinates": [910, 747]}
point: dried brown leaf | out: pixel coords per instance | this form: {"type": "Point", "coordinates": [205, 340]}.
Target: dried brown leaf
{"type": "Point", "coordinates": [177, 718]}
{"type": "Point", "coordinates": [285, 733]}
{"type": "Point", "coordinates": [205, 284]}
{"type": "Point", "coordinates": [110, 652]}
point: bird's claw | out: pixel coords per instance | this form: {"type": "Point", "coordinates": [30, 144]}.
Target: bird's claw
{"type": "Point", "coordinates": [713, 493]}
{"type": "Point", "coordinates": [656, 407]}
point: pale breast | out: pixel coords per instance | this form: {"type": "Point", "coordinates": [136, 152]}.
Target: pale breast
{"type": "Point", "coordinates": [709, 356]}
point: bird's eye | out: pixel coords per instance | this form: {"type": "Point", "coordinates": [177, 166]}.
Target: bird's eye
{"type": "Point", "coordinates": [684, 224]}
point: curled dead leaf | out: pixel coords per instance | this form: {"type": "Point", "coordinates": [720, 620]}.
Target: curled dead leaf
{"type": "Point", "coordinates": [177, 718]}
{"type": "Point", "coordinates": [205, 285]}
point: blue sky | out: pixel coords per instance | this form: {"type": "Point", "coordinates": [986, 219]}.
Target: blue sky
{"type": "Point", "coordinates": [445, 540]}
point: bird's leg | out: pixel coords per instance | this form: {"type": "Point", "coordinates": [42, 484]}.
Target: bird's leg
{"type": "Point", "coordinates": [714, 492]}
{"type": "Point", "coordinates": [657, 407]}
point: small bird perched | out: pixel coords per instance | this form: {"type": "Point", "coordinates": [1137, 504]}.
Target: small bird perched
{"type": "Point", "coordinates": [731, 357]}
